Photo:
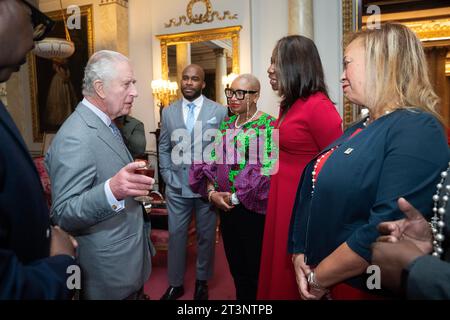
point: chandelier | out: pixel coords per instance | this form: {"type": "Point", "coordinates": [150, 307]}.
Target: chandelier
{"type": "Point", "coordinates": [227, 80]}
{"type": "Point", "coordinates": [51, 48]}
{"type": "Point", "coordinates": [164, 91]}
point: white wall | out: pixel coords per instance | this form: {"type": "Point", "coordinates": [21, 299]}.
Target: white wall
{"type": "Point", "coordinates": [269, 23]}
{"type": "Point", "coordinates": [328, 39]}
{"type": "Point", "coordinates": [140, 51]}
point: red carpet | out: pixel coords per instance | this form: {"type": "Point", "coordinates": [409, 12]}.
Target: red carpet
{"type": "Point", "coordinates": [221, 286]}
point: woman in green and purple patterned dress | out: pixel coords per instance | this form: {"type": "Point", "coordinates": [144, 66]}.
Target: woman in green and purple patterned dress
{"type": "Point", "coordinates": [236, 180]}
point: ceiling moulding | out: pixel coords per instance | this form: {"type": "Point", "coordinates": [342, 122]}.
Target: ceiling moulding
{"type": "Point", "coordinates": [123, 3]}
{"type": "Point", "coordinates": [207, 16]}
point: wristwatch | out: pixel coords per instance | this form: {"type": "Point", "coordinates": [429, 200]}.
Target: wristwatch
{"type": "Point", "coordinates": [313, 284]}
{"type": "Point", "coordinates": [234, 199]}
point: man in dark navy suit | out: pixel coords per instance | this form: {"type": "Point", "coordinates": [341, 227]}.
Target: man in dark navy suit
{"type": "Point", "coordinates": [34, 257]}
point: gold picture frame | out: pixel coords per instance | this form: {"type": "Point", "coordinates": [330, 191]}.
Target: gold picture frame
{"type": "Point", "coordinates": [43, 70]}
{"type": "Point", "coordinates": [200, 36]}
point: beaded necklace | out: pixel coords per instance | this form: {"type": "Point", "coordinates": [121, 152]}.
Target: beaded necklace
{"type": "Point", "coordinates": [437, 223]}
{"type": "Point", "coordinates": [249, 120]}
{"type": "Point", "coordinates": [315, 173]}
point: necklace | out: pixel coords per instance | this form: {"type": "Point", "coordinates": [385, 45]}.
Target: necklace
{"type": "Point", "coordinates": [315, 173]}
{"type": "Point", "coordinates": [249, 120]}
{"type": "Point", "coordinates": [366, 122]}
{"type": "Point", "coordinates": [437, 223]}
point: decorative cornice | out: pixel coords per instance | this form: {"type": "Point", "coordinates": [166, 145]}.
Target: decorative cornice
{"type": "Point", "coordinates": [207, 16]}
{"type": "Point", "coordinates": [122, 3]}
{"type": "Point", "coordinates": [431, 30]}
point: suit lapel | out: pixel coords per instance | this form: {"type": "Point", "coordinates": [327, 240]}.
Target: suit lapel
{"type": "Point", "coordinates": [206, 113]}
{"type": "Point", "coordinates": [179, 112]}
{"type": "Point", "coordinates": [104, 133]}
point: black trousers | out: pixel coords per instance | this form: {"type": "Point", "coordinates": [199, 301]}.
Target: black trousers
{"type": "Point", "coordinates": [242, 233]}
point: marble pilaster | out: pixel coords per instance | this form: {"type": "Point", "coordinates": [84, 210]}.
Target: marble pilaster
{"type": "Point", "coordinates": [301, 18]}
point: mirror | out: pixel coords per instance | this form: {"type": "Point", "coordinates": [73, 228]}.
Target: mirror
{"type": "Point", "coordinates": [216, 50]}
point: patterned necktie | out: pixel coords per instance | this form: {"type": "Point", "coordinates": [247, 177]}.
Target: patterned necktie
{"type": "Point", "coordinates": [116, 133]}
{"type": "Point", "coordinates": [190, 120]}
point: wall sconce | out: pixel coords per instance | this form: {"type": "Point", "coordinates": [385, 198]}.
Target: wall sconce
{"type": "Point", "coordinates": [165, 92]}
{"type": "Point", "coordinates": [227, 80]}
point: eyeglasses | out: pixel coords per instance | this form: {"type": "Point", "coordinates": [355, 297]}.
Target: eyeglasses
{"type": "Point", "coordinates": [42, 24]}
{"type": "Point", "coordinates": [240, 94]}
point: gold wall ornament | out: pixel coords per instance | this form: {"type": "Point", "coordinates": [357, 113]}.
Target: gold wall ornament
{"type": "Point", "coordinates": [431, 30]}
{"type": "Point", "coordinates": [200, 36]}
{"type": "Point", "coordinates": [207, 16]}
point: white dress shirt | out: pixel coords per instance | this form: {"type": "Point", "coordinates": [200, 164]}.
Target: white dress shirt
{"type": "Point", "coordinates": [115, 204]}
{"type": "Point", "coordinates": [198, 107]}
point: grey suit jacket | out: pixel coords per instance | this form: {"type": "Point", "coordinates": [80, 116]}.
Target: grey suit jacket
{"type": "Point", "coordinates": [178, 150]}
{"type": "Point", "coordinates": [113, 247]}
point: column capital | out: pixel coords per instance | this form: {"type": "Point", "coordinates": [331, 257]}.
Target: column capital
{"type": "Point", "coordinates": [301, 18]}
{"type": "Point", "coordinates": [219, 51]}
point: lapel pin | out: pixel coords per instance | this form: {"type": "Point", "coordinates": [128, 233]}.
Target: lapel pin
{"type": "Point", "coordinates": [348, 151]}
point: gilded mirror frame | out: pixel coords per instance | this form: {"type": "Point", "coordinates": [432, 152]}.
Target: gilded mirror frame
{"type": "Point", "coordinates": [199, 36]}
{"type": "Point", "coordinates": [350, 18]}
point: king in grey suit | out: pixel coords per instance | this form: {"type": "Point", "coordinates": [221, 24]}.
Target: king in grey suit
{"type": "Point", "coordinates": [93, 184]}
{"type": "Point", "coordinates": [175, 158]}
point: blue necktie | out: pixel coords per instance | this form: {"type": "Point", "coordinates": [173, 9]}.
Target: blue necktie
{"type": "Point", "coordinates": [190, 120]}
{"type": "Point", "coordinates": [116, 133]}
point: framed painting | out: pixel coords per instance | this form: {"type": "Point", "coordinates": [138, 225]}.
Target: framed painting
{"type": "Point", "coordinates": [55, 84]}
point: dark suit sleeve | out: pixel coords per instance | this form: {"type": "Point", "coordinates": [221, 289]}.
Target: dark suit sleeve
{"type": "Point", "coordinates": [136, 141]}
{"type": "Point", "coordinates": [43, 279]}
{"type": "Point", "coordinates": [429, 278]}
{"type": "Point", "coordinates": [165, 149]}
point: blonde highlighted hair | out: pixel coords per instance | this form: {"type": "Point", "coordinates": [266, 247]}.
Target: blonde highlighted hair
{"type": "Point", "coordinates": [396, 70]}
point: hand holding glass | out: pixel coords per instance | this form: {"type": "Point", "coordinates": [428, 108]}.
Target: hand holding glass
{"type": "Point", "coordinates": [149, 171]}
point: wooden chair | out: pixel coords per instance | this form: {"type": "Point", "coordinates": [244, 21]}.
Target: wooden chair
{"type": "Point", "coordinates": [45, 179]}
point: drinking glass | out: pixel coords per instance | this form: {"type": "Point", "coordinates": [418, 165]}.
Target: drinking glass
{"type": "Point", "coordinates": [149, 171]}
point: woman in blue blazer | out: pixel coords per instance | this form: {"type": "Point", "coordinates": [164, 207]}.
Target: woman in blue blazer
{"type": "Point", "coordinates": [399, 150]}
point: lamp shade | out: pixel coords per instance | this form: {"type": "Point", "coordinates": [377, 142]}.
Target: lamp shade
{"type": "Point", "coordinates": [50, 48]}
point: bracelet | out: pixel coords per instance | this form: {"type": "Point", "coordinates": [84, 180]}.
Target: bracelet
{"type": "Point", "coordinates": [210, 193]}
{"type": "Point", "coordinates": [311, 278]}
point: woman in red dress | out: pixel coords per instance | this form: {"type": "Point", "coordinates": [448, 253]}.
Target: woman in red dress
{"type": "Point", "coordinates": [307, 123]}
